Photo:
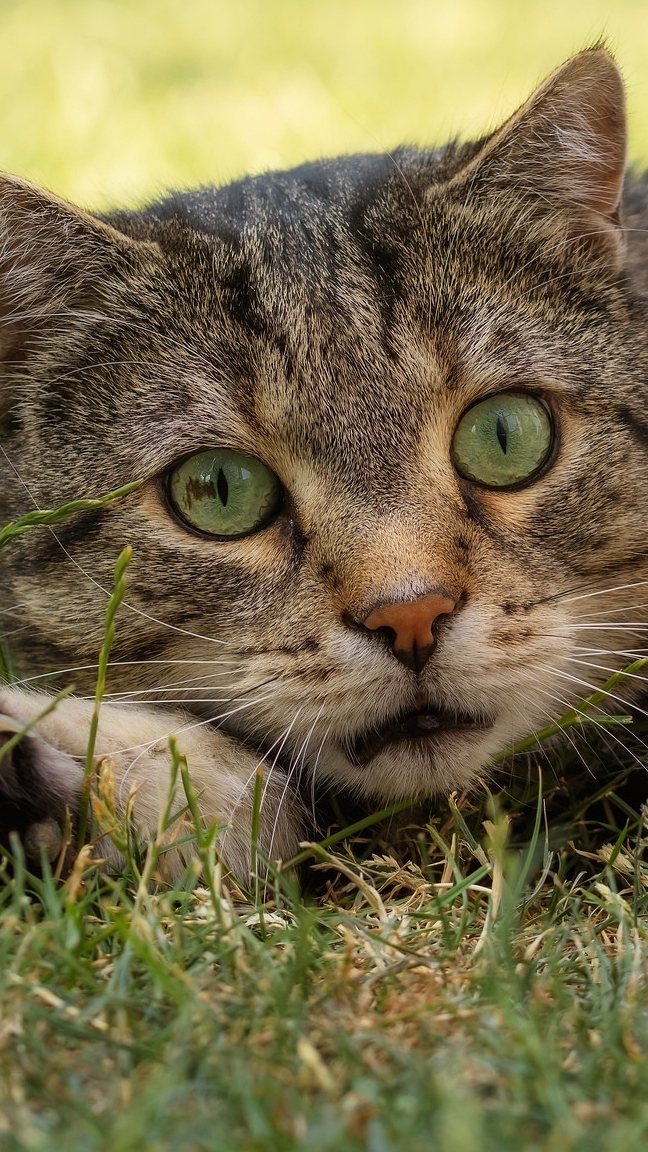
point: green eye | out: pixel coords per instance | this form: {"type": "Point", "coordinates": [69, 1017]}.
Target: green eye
{"type": "Point", "coordinates": [224, 493]}
{"type": "Point", "coordinates": [502, 440]}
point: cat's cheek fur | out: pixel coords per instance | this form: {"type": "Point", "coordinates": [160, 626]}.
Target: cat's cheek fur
{"type": "Point", "coordinates": [41, 779]}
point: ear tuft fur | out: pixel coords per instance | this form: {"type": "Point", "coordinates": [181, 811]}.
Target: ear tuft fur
{"type": "Point", "coordinates": [566, 146]}
{"type": "Point", "coordinates": [53, 258]}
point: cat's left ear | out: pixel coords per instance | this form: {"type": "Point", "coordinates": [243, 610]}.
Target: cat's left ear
{"type": "Point", "coordinates": [565, 149]}
{"type": "Point", "coordinates": [56, 262]}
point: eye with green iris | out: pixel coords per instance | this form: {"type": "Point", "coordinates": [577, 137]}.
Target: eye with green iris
{"type": "Point", "coordinates": [224, 493]}
{"type": "Point", "coordinates": [503, 440]}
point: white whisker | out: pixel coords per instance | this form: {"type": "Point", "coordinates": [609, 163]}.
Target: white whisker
{"type": "Point", "coordinates": [592, 688]}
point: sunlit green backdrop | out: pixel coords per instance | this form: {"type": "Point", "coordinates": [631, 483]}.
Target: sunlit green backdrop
{"type": "Point", "coordinates": [111, 101]}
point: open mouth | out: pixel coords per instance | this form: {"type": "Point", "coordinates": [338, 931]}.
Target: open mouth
{"type": "Point", "coordinates": [420, 726]}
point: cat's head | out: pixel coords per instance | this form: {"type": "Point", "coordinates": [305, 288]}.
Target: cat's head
{"type": "Point", "coordinates": [389, 414]}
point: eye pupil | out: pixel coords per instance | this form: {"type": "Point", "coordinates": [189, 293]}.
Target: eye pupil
{"type": "Point", "coordinates": [501, 434]}
{"type": "Point", "coordinates": [222, 487]}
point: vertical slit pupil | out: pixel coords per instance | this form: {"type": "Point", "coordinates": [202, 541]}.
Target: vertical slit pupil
{"type": "Point", "coordinates": [500, 428]}
{"type": "Point", "coordinates": [222, 487]}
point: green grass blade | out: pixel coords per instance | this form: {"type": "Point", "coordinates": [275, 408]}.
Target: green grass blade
{"type": "Point", "coordinates": [60, 515]}
{"type": "Point", "coordinates": [52, 703]}
{"type": "Point", "coordinates": [119, 589]}
{"type": "Point", "coordinates": [46, 518]}
{"type": "Point", "coordinates": [7, 668]}
{"type": "Point", "coordinates": [576, 715]}
{"type": "Point", "coordinates": [347, 833]}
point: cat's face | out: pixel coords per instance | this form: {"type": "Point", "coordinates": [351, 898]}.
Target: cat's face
{"type": "Point", "coordinates": [336, 324]}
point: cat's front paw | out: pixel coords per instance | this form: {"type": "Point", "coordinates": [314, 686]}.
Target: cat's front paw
{"type": "Point", "coordinates": [40, 789]}
{"type": "Point", "coordinates": [41, 778]}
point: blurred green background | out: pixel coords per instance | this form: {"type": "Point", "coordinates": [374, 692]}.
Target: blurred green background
{"type": "Point", "coordinates": [112, 101]}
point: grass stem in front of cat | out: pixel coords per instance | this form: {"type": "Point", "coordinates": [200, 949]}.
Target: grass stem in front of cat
{"type": "Point", "coordinates": [11, 743]}
{"type": "Point", "coordinates": [204, 838]}
{"type": "Point", "coordinates": [310, 849]}
{"type": "Point", "coordinates": [579, 714]}
{"type": "Point", "coordinates": [165, 820]}
{"type": "Point", "coordinates": [109, 635]}
{"type": "Point", "coordinates": [257, 800]}
{"type": "Point", "coordinates": [49, 517]}
{"type": "Point", "coordinates": [7, 669]}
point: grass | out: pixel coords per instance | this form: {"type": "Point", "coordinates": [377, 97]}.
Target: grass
{"type": "Point", "coordinates": [425, 999]}
{"type": "Point", "coordinates": [473, 977]}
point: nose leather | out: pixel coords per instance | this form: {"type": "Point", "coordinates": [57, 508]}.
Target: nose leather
{"type": "Point", "coordinates": [411, 624]}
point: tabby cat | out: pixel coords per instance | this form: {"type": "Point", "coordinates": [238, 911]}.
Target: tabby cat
{"type": "Point", "coordinates": [389, 415]}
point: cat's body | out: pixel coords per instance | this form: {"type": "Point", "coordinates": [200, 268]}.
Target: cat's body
{"type": "Point", "coordinates": [394, 617]}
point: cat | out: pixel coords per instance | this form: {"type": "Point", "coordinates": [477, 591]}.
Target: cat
{"type": "Point", "coordinates": [389, 415]}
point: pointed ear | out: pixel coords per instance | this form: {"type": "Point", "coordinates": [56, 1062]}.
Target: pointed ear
{"type": "Point", "coordinates": [55, 259]}
{"type": "Point", "coordinates": [566, 145]}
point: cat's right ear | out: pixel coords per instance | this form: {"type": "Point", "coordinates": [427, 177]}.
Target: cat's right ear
{"type": "Point", "coordinates": [55, 261]}
{"type": "Point", "coordinates": [562, 155]}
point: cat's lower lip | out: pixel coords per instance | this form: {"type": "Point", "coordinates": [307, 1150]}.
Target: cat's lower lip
{"type": "Point", "coordinates": [422, 725]}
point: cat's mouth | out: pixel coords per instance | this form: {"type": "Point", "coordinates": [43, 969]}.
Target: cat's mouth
{"type": "Point", "coordinates": [425, 724]}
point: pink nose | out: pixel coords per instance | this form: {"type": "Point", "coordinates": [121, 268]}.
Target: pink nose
{"type": "Point", "coordinates": [411, 624]}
